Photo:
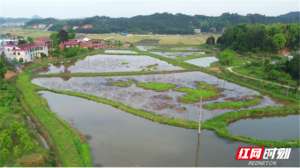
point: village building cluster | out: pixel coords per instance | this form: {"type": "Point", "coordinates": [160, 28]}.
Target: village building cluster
{"type": "Point", "coordinates": [24, 52]}
{"type": "Point", "coordinates": [87, 43]}
{"type": "Point", "coordinates": [41, 46]}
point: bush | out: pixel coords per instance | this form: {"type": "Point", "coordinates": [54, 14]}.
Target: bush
{"type": "Point", "coordinates": [227, 57]}
{"type": "Point", "coordinates": [75, 51]}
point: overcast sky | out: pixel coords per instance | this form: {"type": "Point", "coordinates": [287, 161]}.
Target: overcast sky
{"type": "Point", "coordinates": [127, 8]}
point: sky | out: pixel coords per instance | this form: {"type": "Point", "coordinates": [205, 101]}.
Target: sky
{"type": "Point", "coordinates": [128, 8]}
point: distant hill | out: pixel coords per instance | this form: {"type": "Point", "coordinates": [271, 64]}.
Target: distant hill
{"type": "Point", "coordinates": [160, 23]}
{"type": "Point", "coordinates": [6, 22]}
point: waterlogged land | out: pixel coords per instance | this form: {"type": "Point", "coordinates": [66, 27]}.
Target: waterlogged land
{"type": "Point", "coordinates": [172, 99]}
{"type": "Point", "coordinates": [113, 63]}
{"type": "Point", "coordinates": [118, 138]}
{"type": "Point", "coordinates": [173, 95]}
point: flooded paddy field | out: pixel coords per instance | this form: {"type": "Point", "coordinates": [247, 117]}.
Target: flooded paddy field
{"type": "Point", "coordinates": [203, 62]}
{"type": "Point", "coordinates": [113, 63]}
{"type": "Point", "coordinates": [271, 128]}
{"type": "Point", "coordinates": [120, 139]}
{"type": "Point", "coordinates": [175, 55]}
{"type": "Point", "coordinates": [161, 102]}
{"type": "Point", "coordinates": [119, 52]}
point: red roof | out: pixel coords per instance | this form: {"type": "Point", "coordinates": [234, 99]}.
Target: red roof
{"type": "Point", "coordinates": [72, 42]}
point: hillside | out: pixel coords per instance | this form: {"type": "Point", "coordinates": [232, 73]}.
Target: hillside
{"type": "Point", "coordinates": [160, 23]}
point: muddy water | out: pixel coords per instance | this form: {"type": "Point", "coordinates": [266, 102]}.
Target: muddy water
{"type": "Point", "coordinates": [120, 139]}
{"type": "Point", "coordinates": [273, 128]}
{"type": "Point", "coordinates": [114, 63]}
{"type": "Point", "coordinates": [164, 103]}
{"type": "Point", "coordinates": [203, 62]}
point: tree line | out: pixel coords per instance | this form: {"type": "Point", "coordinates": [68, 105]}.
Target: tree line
{"type": "Point", "coordinates": [259, 37]}
{"type": "Point", "coordinates": [162, 23]}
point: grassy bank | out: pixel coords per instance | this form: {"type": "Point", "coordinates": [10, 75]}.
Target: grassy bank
{"type": "Point", "coordinates": [70, 148]}
{"type": "Point", "coordinates": [219, 125]}
{"type": "Point", "coordinates": [19, 142]}
{"type": "Point", "coordinates": [233, 104]}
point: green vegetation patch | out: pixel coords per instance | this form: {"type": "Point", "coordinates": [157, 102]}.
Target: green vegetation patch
{"type": "Point", "coordinates": [203, 90]}
{"type": "Point", "coordinates": [70, 148]}
{"type": "Point", "coordinates": [17, 140]}
{"type": "Point", "coordinates": [156, 86]}
{"type": "Point", "coordinates": [233, 104]}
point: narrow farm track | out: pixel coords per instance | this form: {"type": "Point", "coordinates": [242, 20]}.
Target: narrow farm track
{"type": "Point", "coordinates": [230, 69]}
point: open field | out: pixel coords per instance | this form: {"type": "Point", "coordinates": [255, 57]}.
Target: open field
{"type": "Point", "coordinates": [163, 39]}
{"type": "Point", "coordinates": [34, 33]}
{"type": "Point", "coordinates": [132, 38]}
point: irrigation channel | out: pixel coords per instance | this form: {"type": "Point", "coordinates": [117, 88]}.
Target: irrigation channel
{"type": "Point", "coordinates": [121, 139]}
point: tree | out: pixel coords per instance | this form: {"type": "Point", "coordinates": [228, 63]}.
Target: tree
{"type": "Point", "coordinates": [293, 68]}
{"type": "Point", "coordinates": [279, 41]}
{"type": "Point", "coordinates": [30, 39]}
{"type": "Point", "coordinates": [22, 41]}
{"type": "Point", "coordinates": [63, 36]}
{"type": "Point", "coordinates": [3, 68]}
{"type": "Point", "coordinates": [227, 57]}
{"type": "Point", "coordinates": [210, 40]}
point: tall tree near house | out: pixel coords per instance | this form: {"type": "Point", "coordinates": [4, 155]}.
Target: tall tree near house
{"type": "Point", "coordinates": [30, 39]}
{"type": "Point", "coordinates": [63, 35]}
{"type": "Point", "coordinates": [3, 68]}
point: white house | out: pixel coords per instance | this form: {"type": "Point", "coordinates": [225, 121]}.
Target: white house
{"type": "Point", "coordinates": [26, 52]}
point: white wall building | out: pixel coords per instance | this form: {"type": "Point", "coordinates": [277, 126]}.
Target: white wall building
{"type": "Point", "coordinates": [25, 53]}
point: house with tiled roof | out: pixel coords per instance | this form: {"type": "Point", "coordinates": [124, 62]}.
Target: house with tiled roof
{"type": "Point", "coordinates": [25, 52]}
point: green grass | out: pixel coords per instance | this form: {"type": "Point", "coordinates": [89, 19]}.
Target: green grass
{"type": "Point", "coordinates": [233, 104]}
{"type": "Point", "coordinates": [17, 139]}
{"type": "Point", "coordinates": [70, 148]}
{"type": "Point", "coordinates": [203, 90]}
{"type": "Point", "coordinates": [163, 39]}
{"type": "Point", "coordinates": [156, 86]}
{"type": "Point", "coordinates": [219, 125]}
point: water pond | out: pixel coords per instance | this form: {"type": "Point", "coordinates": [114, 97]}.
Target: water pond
{"type": "Point", "coordinates": [203, 62]}
{"type": "Point", "coordinates": [120, 139]}
{"type": "Point", "coordinates": [114, 63]}
{"type": "Point", "coordinates": [175, 55]}
{"type": "Point", "coordinates": [272, 128]}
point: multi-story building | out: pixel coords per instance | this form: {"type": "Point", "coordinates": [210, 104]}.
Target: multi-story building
{"type": "Point", "coordinates": [26, 52]}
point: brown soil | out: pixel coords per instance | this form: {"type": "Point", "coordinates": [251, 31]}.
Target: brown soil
{"type": "Point", "coordinates": [9, 74]}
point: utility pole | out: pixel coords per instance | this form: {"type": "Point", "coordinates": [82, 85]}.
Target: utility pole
{"type": "Point", "coordinates": [200, 116]}
{"type": "Point", "coordinates": [198, 135]}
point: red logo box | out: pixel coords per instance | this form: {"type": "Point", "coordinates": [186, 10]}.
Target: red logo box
{"type": "Point", "coordinates": [249, 153]}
